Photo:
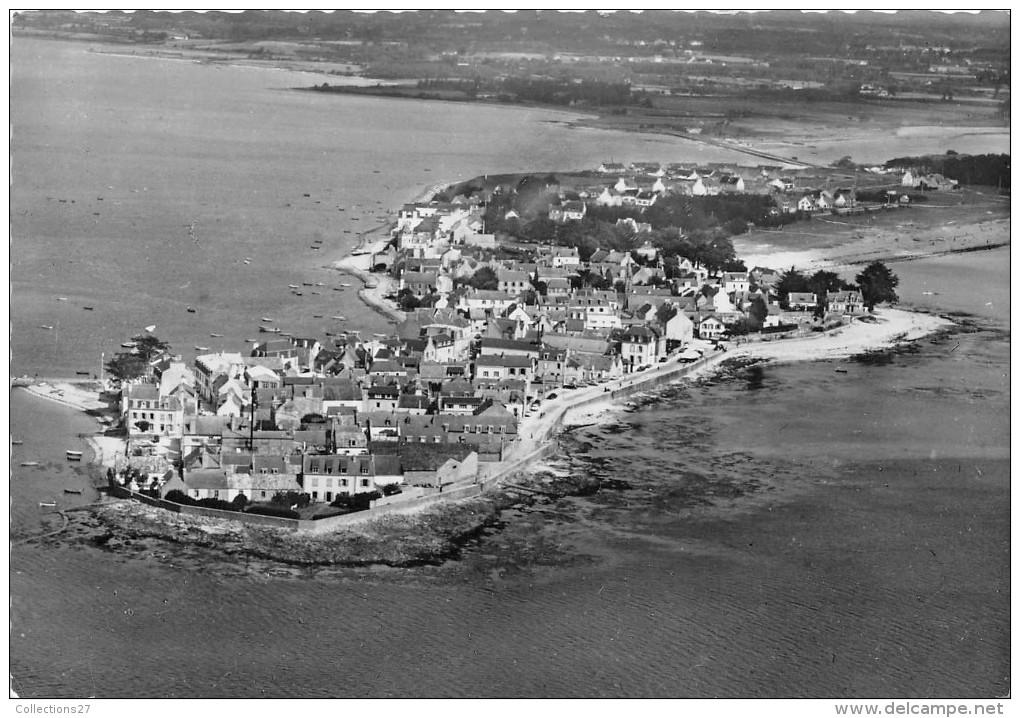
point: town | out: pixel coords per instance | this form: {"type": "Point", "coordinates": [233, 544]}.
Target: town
{"type": "Point", "coordinates": [492, 328]}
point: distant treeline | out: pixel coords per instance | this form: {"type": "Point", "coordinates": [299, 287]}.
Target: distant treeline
{"type": "Point", "coordinates": [543, 90]}
{"type": "Point", "coordinates": [989, 170]}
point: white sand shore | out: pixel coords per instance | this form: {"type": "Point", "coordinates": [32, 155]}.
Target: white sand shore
{"type": "Point", "coordinates": [67, 394]}
{"type": "Point", "coordinates": [378, 285]}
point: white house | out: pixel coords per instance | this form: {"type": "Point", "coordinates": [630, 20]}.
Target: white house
{"type": "Point", "coordinates": [710, 328]}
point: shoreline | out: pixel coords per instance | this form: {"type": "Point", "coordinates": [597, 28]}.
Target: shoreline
{"type": "Point", "coordinates": [357, 261]}
{"type": "Point", "coordinates": [889, 327]}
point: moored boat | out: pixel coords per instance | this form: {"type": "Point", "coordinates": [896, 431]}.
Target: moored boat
{"type": "Point", "coordinates": [29, 463]}
{"type": "Point", "coordinates": [73, 455]}
{"type": "Point", "coordinates": [87, 309]}
{"type": "Point", "coordinates": [72, 491]}
{"type": "Point", "coordinates": [201, 349]}
{"type": "Point", "coordinates": [47, 504]}
{"type": "Point", "coordinates": [269, 330]}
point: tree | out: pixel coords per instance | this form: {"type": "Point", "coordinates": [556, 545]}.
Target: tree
{"type": "Point", "coordinates": [484, 278]}
{"type": "Point", "coordinates": [757, 313]}
{"type": "Point", "coordinates": [149, 346]}
{"type": "Point", "coordinates": [665, 312]}
{"type": "Point", "coordinates": [877, 285]}
{"type": "Point", "coordinates": [791, 281]}
{"type": "Point", "coordinates": [529, 297]}
{"type": "Point", "coordinates": [132, 364]}
{"type": "Point", "coordinates": [823, 282]}
{"type": "Point", "coordinates": [407, 301]}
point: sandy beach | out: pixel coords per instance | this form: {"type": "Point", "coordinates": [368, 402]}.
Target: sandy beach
{"type": "Point", "coordinates": [377, 285]}
{"type": "Point", "coordinates": [359, 262]}
{"type": "Point", "coordinates": [104, 448]}
{"type": "Point", "coordinates": [68, 394]}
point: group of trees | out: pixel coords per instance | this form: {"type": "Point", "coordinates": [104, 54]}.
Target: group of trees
{"type": "Point", "coordinates": [875, 282]}
{"type": "Point", "coordinates": [133, 363]}
{"type": "Point", "coordinates": [987, 170]}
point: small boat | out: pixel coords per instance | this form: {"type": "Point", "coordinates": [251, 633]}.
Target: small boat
{"type": "Point", "coordinates": [191, 310]}
{"type": "Point", "coordinates": [315, 292]}
{"type": "Point", "coordinates": [150, 327]}
{"type": "Point", "coordinates": [339, 318]}
{"type": "Point", "coordinates": [318, 284]}
{"type": "Point", "coordinates": [73, 455]}
{"type": "Point", "coordinates": [308, 284]}
{"type": "Point", "coordinates": [316, 316]}
{"type": "Point", "coordinates": [299, 294]}
{"type": "Point", "coordinates": [72, 491]}
{"type": "Point", "coordinates": [269, 330]}
{"type": "Point", "coordinates": [292, 286]}
{"type": "Point", "coordinates": [267, 319]}
{"type": "Point", "coordinates": [29, 463]}
{"type": "Point", "coordinates": [252, 341]}
{"type": "Point", "coordinates": [201, 349]}
{"type": "Point", "coordinates": [216, 335]}
{"type": "Point", "coordinates": [840, 370]}
{"type": "Point", "coordinates": [48, 504]}
{"type": "Point", "coordinates": [45, 326]}
{"type": "Point", "coordinates": [61, 299]}
{"type": "Point", "coordinates": [128, 345]}
{"type": "Point", "coordinates": [87, 309]}
{"type": "Point", "coordinates": [81, 373]}
{"type": "Point", "coordinates": [17, 442]}
{"type": "Point", "coordinates": [345, 284]}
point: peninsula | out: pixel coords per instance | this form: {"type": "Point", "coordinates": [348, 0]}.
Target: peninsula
{"type": "Point", "coordinates": [526, 304]}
